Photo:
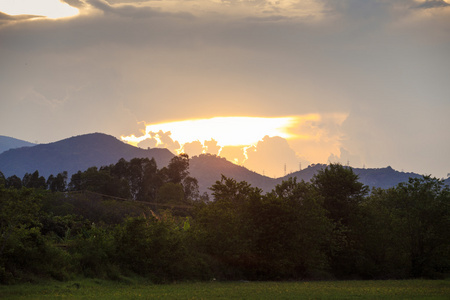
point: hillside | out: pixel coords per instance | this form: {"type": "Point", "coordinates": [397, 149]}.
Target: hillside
{"type": "Point", "coordinates": [97, 149]}
{"type": "Point", "coordinates": [74, 154]}
{"type": "Point", "coordinates": [7, 143]}
{"type": "Point", "coordinates": [374, 177]}
{"type": "Point", "coordinates": [209, 168]}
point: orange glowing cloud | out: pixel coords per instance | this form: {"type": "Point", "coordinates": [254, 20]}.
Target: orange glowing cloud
{"type": "Point", "coordinates": [264, 144]}
{"type": "Point", "coordinates": [227, 131]}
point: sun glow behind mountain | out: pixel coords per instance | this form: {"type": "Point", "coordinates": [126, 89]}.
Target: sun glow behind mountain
{"type": "Point", "coordinates": [264, 144]}
{"type": "Point", "coordinates": [227, 131]}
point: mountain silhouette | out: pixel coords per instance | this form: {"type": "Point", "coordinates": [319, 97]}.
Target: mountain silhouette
{"type": "Point", "coordinates": [74, 154]}
{"type": "Point", "coordinates": [372, 177]}
{"type": "Point", "coordinates": [208, 168]}
{"type": "Point", "coordinates": [97, 149]}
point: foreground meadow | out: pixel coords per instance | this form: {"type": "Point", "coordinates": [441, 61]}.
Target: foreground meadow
{"type": "Point", "coordinates": [98, 289]}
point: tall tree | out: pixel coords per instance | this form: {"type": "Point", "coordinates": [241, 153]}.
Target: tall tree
{"type": "Point", "coordinates": [221, 225]}
{"type": "Point", "coordinates": [2, 179]}
{"type": "Point", "coordinates": [58, 183]}
{"type": "Point", "coordinates": [178, 169]}
{"type": "Point", "coordinates": [34, 180]}
{"type": "Point", "coordinates": [341, 191]}
{"type": "Point", "coordinates": [342, 195]}
{"type": "Point", "coordinates": [290, 231]}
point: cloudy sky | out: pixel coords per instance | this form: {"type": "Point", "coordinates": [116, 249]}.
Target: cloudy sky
{"type": "Point", "coordinates": [359, 81]}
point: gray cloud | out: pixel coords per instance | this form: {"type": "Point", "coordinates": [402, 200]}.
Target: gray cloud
{"type": "Point", "coordinates": [433, 4]}
{"type": "Point", "coordinates": [132, 11]}
{"type": "Point", "coordinates": [75, 3]}
{"type": "Point", "coordinates": [8, 19]}
{"type": "Point", "coordinates": [383, 63]}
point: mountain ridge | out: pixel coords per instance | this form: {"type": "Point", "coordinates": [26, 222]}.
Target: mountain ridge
{"type": "Point", "coordinates": [98, 149]}
{"type": "Point", "coordinates": [74, 154]}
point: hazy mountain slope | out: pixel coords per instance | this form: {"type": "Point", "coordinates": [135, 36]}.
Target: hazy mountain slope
{"type": "Point", "coordinates": [73, 154]}
{"type": "Point", "coordinates": [376, 177]}
{"type": "Point", "coordinates": [383, 177]}
{"type": "Point", "coordinates": [7, 143]}
{"type": "Point", "coordinates": [97, 149]}
{"type": "Point", "coordinates": [209, 168]}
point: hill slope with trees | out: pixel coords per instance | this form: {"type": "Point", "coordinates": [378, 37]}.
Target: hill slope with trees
{"type": "Point", "coordinates": [75, 154]}
{"type": "Point", "coordinates": [97, 149]}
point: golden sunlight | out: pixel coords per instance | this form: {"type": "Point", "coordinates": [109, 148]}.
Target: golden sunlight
{"type": "Point", "coordinates": [52, 9]}
{"type": "Point", "coordinates": [227, 131]}
{"type": "Point", "coordinates": [263, 144]}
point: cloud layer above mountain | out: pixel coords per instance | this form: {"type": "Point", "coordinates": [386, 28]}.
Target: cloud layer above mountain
{"type": "Point", "coordinates": [383, 64]}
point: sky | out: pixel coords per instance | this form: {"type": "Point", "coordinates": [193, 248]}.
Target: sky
{"type": "Point", "coordinates": [270, 85]}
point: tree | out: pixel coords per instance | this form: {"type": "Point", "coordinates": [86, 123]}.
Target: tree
{"type": "Point", "coordinates": [341, 191]}
{"type": "Point", "coordinates": [13, 182]}
{"type": "Point", "coordinates": [142, 177]}
{"type": "Point", "coordinates": [178, 169]}
{"type": "Point", "coordinates": [191, 192]}
{"type": "Point", "coordinates": [420, 209]}
{"type": "Point", "coordinates": [171, 193]}
{"type": "Point", "coordinates": [58, 183]}
{"type": "Point", "coordinates": [2, 179]}
{"type": "Point", "coordinates": [146, 180]}
{"type": "Point", "coordinates": [222, 226]}
{"type": "Point", "coordinates": [153, 248]}
{"type": "Point", "coordinates": [99, 181]}
{"type": "Point", "coordinates": [342, 195]}
{"type": "Point", "coordinates": [290, 231]}
{"type": "Point", "coordinates": [34, 180]}
{"type": "Point", "coordinates": [18, 209]}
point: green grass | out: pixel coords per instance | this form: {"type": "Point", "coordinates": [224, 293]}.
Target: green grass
{"type": "Point", "coordinates": [99, 289]}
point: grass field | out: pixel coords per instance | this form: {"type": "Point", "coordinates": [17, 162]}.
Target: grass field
{"type": "Point", "coordinates": [98, 289]}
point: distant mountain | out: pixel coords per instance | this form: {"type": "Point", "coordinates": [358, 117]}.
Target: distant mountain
{"type": "Point", "coordinates": [376, 177]}
{"type": "Point", "coordinates": [74, 154]}
{"type": "Point", "coordinates": [209, 168]}
{"type": "Point", "coordinates": [97, 149]}
{"type": "Point", "coordinates": [7, 143]}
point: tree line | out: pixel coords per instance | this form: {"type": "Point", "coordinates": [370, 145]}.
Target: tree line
{"type": "Point", "coordinates": [137, 179]}
{"type": "Point", "coordinates": [332, 227]}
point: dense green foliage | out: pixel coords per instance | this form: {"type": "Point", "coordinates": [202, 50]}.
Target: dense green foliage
{"type": "Point", "coordinates": [132, 218]}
